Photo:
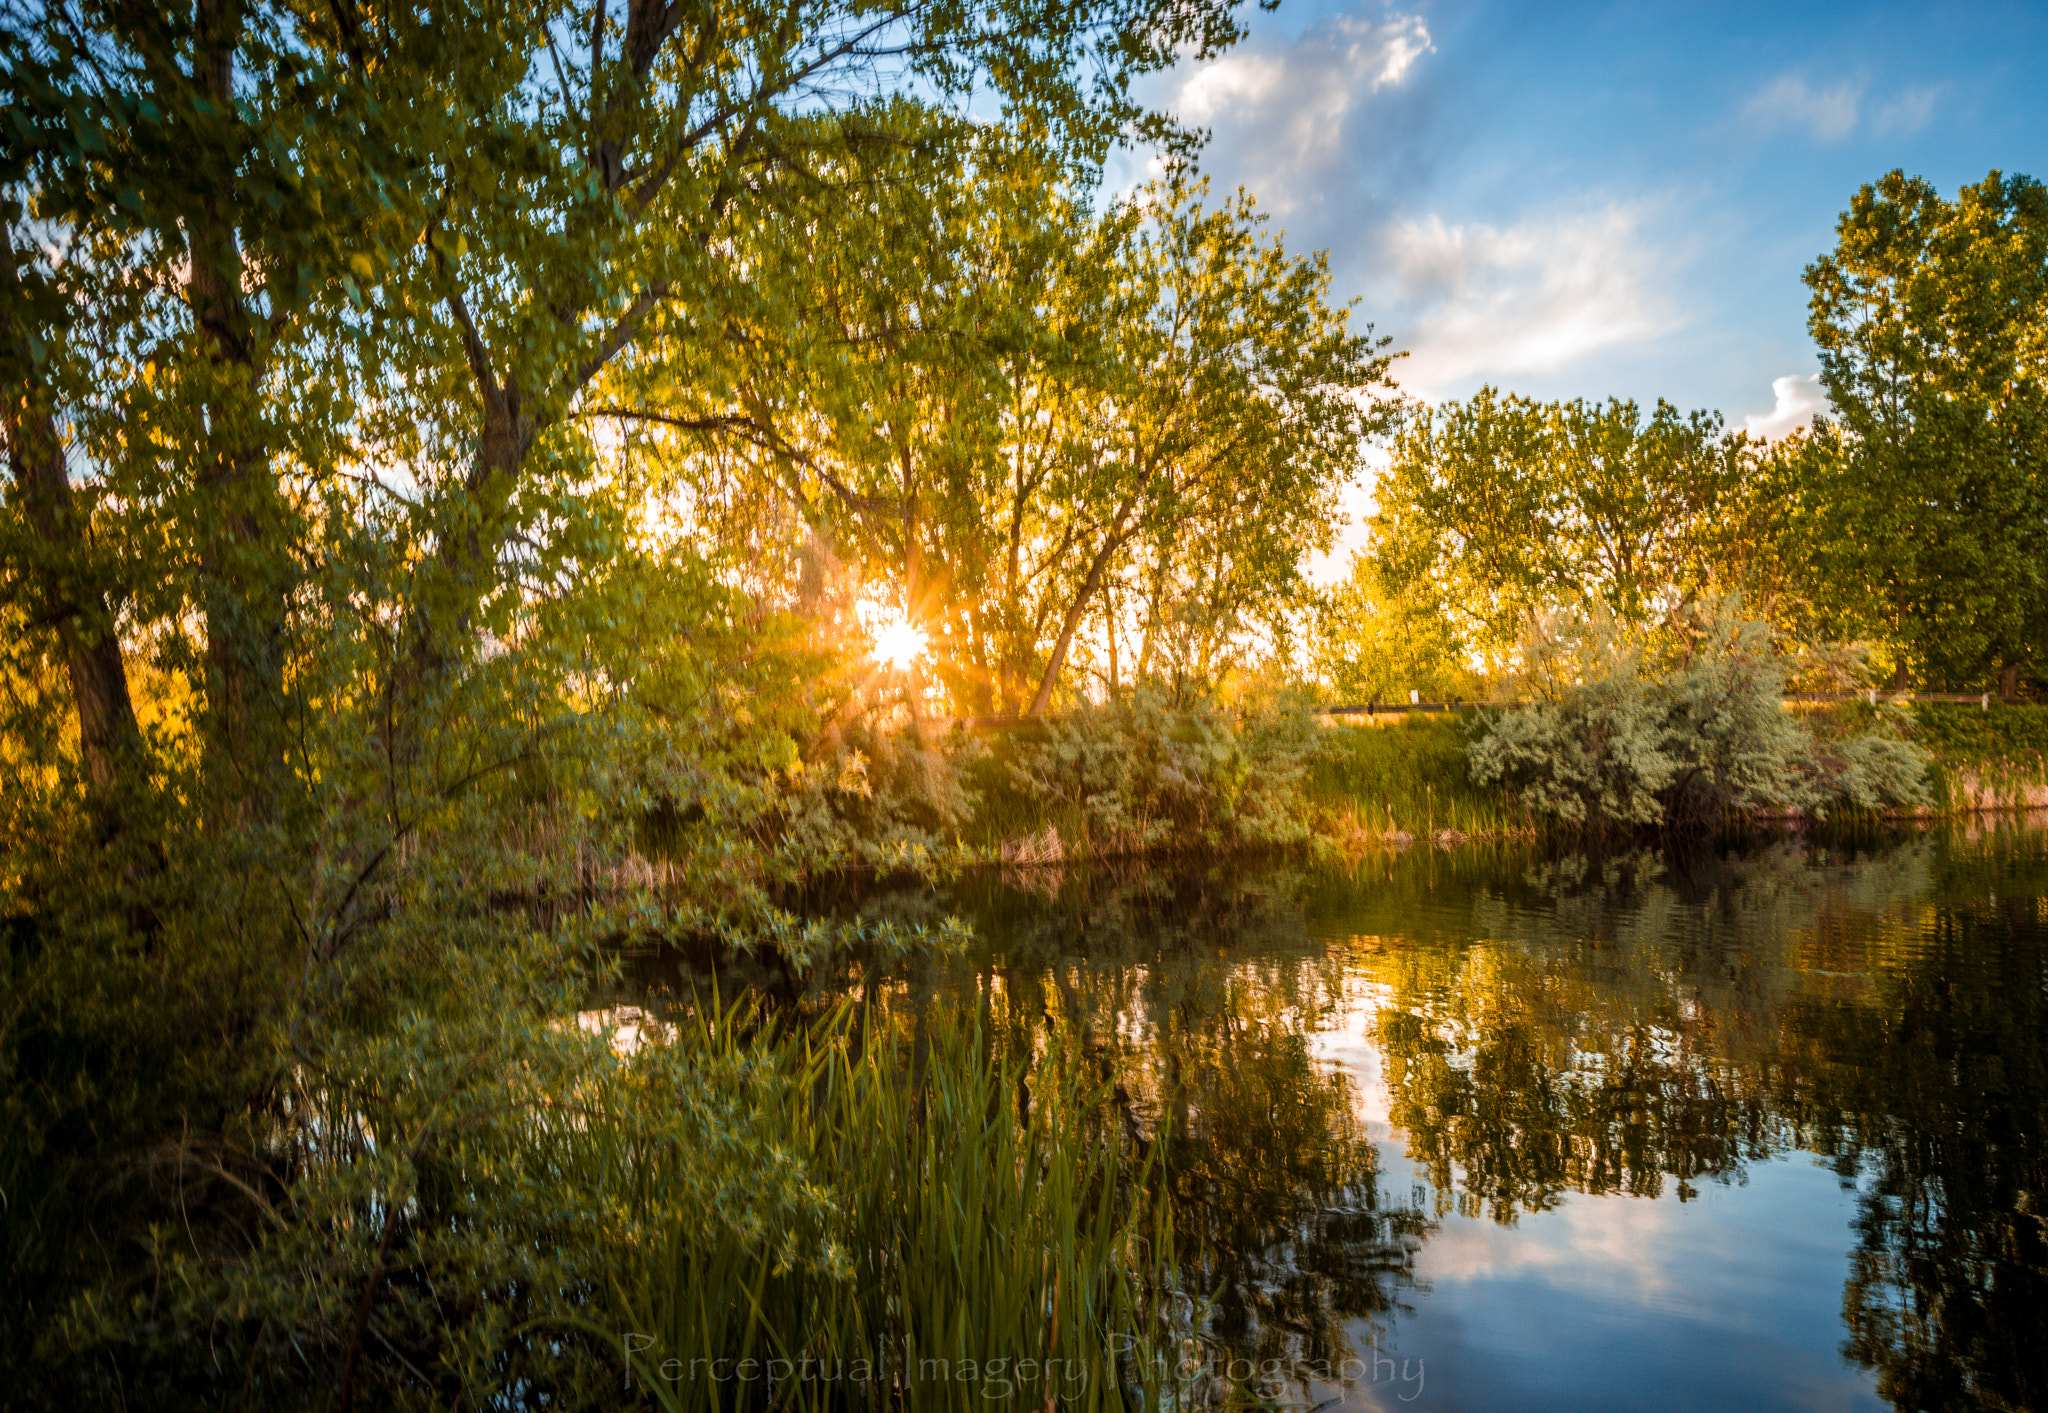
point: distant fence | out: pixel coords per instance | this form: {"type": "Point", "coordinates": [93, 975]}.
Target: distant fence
{"type": "Point", "coordinates": [1376, 709]}
{"type": "Point", "coordinates": [1402, 708]}
{"type": "Point", "coordinates": [1976, 699]}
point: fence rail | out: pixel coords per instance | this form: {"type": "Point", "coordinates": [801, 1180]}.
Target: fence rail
{"type": "Point", "coordinates": [1375, 709]}
{"type": "Point", "coordinates": [1977, 699]}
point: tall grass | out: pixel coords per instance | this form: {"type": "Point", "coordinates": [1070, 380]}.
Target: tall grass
{"type": "Point", "coordinates": [1408, 777]}
{"type": "Point", "coordinates": [990, 1232]}
{"type": "Point", "coordinates": [1983, 760]}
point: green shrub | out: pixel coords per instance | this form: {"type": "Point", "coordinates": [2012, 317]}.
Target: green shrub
{"type": "Point", "coordinates": [878, 800]}
{"type": "Point", "coordinates": [1135, 775]}
{"type": "Point", "coordinates": [1617, 746]}
{"type": "Point", "coordinates": [1963, 734]}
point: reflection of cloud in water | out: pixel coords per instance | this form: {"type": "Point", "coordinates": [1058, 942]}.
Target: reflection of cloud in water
{"type": "Point", "coordinates": [1445, 1103]}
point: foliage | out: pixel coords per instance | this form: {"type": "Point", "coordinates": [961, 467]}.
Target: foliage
{"type": "Point", "coordinates": [1995, 759]}
{"type": "Point", "coordinates": [361, 693]}
{"type": "Point", "coordinates": [1615, 743]}
{"type": "Point", "coordinates": [1132, 422]}
{"type": "Point", "coordinates": [986, 1232]}
{"type": "Point", "coordinates": [1924, 513]}
{"type": "Point", "coordinates": [1499, 507]}
{"type": "Point", "coordinates": [1410, 778]}
{"type": "Point", "coordinates": [343, 666]}
{"type": "Point", "coordinates": [1374, 643]}
{"type": "Point", "coordinates": [884, 801]}
{"type": "Point", "coordinates": [1969, 734]}
{"type": "Point", "coordinates": [1134, 775]}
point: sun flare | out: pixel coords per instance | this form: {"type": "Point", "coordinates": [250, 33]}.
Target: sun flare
{"type": "Point", "coordinates": [898, 642]}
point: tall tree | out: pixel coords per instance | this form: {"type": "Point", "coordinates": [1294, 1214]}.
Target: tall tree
{"type": "Point", "coordinates": [1930, 316]}
{"type": "Point", "coordinates": [1499, 507]}
{"type": "Point", "coordinates": [1010, 411]}
{"type": "Point", "coordinates": [399, 245]}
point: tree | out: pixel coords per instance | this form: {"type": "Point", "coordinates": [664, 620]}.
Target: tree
{"type": "Point", "coordinates": [414, 240]}
{"type": "Point", "coordinates": [371, 668]}
{"type": "Point", "coordinates": [1373, 644]}
{"type": "Point", "coordinates": [1930, 317]}
{"type": "Point", "coordinates": [1498, 508]}
{"type": "Point", "coordinates": [1009, 413]}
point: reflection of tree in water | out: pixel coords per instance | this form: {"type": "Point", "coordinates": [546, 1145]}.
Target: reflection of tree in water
{"type": "Point", "coordinates": [1200, 992]}
{"type": "Point", "coordinates": [1203, 994]}
{"type": "Point", "coordinates": [1608, 1028]}
{"type": "Point", "coordinates": [1936, 1096]}
{"type": "Point", "coordinates": [1638, 1025]}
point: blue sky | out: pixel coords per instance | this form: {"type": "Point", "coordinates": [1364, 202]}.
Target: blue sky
{"type": "Point", "coordinates": [1593, 200]}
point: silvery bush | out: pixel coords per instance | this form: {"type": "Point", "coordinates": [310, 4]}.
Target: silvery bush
{"type": "Point", "coordinates": [1615, 739]}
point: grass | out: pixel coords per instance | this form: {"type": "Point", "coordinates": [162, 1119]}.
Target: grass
{"type": "Point", "coordinates": [1984, 759]}
{"type": "Point", "coordinates": [1993, 758]}
{"type": "Point", "coordinates": [1406, 777]}
{"type": "Point", "coordinates": [992, 1233]}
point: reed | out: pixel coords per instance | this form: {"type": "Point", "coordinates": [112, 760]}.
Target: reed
{"type": "Point", "coordinates": [1406, 778]}
{"type": "Point", "coordinates": [992, 1234]}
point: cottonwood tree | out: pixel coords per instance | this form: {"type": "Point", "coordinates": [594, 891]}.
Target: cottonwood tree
{"type": "Point", "coordinates": [1370, 643]}
{"type": "Point", "coordinates": [317, 238]}
{"type": "Point", "coordinates": [306, 536]}
{"type": "Point", "coordinates": [1501, 507]}
{"type": "Point", "coordinates": [1245, 401]}
{"type": "Point", "coordinates": [1928, 499]}
{"type": "Point", "coordinates": [1012, 413]}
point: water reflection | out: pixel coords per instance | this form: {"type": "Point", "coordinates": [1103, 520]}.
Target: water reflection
{"type": "Point", "coordinates": [1366, 1071]}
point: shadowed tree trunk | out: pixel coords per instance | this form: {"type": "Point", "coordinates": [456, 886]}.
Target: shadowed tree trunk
{"type": "Point", "coordinates": [109, 741]}
{"type": "Point", "coordinates": [243, 591]}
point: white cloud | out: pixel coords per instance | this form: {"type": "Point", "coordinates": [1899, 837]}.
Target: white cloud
{"type": "Point", "coordinates": [1284, 107]}
{"type": "Point", "coordinates": [1908, 113]}
{"type": "Point", "coordinates": [1797, 397]}
{"type": "Point", "coordinates": [1789, 101]}
{"type": "Point", "coordinates": [1832, 113]}
{"type": "Point", "coordinates": [1532, 297]}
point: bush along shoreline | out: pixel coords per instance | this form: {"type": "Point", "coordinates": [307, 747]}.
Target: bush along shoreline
{"type": "Point", "coordinates": [1615, 741]}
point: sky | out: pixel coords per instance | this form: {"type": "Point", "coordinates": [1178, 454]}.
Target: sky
{"type": "Point", "coordinates": [1595, 200]}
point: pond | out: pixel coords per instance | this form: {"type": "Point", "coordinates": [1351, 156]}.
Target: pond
{"type": "Point", "coordinates": [1525, 1129]}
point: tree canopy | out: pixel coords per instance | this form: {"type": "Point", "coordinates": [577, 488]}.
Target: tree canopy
{"type": "Point", "coordinates": [1498, 508]}
{"type": "Point", "coordinates": [1927, 500]}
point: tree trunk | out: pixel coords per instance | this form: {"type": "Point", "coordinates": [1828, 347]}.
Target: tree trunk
{"type": "Point", "coordinates": [1109, 632]}
{"type": "Point", "coordinates": [2009, 682]}
{"type": "Point", "coordinates": [109, 741]}
{"type": "Point", "coordinates": [1075, 611]}
{"type": "Point", "coordinates": [1153, 611]}
{"type": "Point", "coordinates": [445, 595]}
{"type": "Point", "coordinates": [243, 588]}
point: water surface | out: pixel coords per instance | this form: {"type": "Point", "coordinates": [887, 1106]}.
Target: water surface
{"type": "Point", "coordinates": [1529, 1130]}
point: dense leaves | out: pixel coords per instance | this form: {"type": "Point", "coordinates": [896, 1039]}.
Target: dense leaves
{"type": "Point", "coordinates": [1497, 508]}
{"type": "Point", "coordinates": [1930, 498]}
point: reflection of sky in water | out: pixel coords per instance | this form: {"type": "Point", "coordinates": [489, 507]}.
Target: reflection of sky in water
{"type": "Point", "coordinates": [1365, 1067]}
{"type": "Point", "coordinates": [1729, 1300]}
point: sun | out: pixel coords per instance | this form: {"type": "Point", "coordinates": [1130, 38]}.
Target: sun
{"type": "Point", "coordinates": [898, 642]}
